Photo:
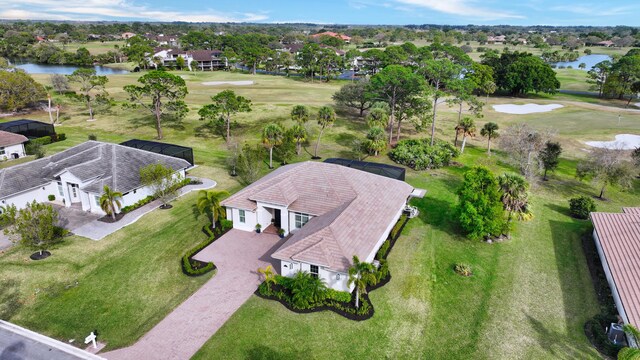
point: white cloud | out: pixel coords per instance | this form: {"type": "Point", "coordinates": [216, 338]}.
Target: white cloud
{"type": "Point", "coordinates": [462, 8]}
{"type": "Point", "coordinates": [112, 10]}
{"type": "Point", "coordinates": [595, 11]}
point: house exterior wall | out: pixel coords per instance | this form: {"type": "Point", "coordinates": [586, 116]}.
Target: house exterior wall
{"type": "Point", "coordinates": [612, 284]}
{"type": "Point", "coordinates": [38, 194]}
{"type": "Point", "coordinates": [13, 149]}
{"type": "Point", "coordinates": [233, 214]}
{"type": "Point", "coordinates": [334, 280]}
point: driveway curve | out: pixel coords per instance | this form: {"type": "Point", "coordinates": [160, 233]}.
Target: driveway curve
{"type": "Point", "coordinates": [237, 255]}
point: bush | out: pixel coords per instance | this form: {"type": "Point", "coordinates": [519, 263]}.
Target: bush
{"type": "Point", "coordinates": [383, 249]}
{"type": "Point", "coordinates": [340, 296]}
{"type": "Point", "coordinates": [226, 224]}
{"type": "Point", "coordinates": [383, 270]}
{"type": "Point", "coordinates": [51, 197]}
{"type": "Point", "coordinates": [138, 204]}
{"type": "Point", "coordinates": [34, 148]}
{"type": "Point", "coordinates": [596, 327]}
{"type": "Point", "coordinates": [580, 207]}
{"type": "Point", "coordinates": [466, 48]}
{"type": "Point", "coordinates": [45, 140]}
{"type": "Point", "coordinates": [194, 267]}
{"type": "Point", "coordinates": [420, 155]}
{"type": "Point", "coordinates": [61, 137]}
{"type": "Point", "coordinates": [93, 137]}
{"type": "Point", "coordinates": [462, 269]}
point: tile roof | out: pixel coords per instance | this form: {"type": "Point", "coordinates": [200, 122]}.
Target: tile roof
{"type": "Point", "coordinates": [352, 209]}
{"type": "Point", "coordinates": [619, 238]}
{"type": "Point", "coordinates": [95, 162]}
{"type": "Point", "coordinates": [8, 139]}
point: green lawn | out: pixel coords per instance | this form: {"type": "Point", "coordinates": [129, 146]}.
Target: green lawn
{"type": "Point", "coordinates": [529, 297]}
{"type": "Point", "coordinates": [122, 285]}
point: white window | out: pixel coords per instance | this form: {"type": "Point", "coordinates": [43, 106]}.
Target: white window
{"type": "Point", "coordinates": [242, 216]}
{"type": "Point", "coordinates": [97, 198]}
{"type": "Point", "coordinates": [313, 270]}
{"type": "Point", "coordinates": [301, 219]}
{"type": "Point", "coordinates": [60, 191]}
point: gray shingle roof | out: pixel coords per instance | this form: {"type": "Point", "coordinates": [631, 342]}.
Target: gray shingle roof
{"type": "Point", "coordinates": [100, 163]}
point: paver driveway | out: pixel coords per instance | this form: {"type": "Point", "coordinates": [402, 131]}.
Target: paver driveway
{"type": "Point", "coordinates": [237, 254]}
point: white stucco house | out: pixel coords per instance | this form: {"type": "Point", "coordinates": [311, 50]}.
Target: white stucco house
{"type": "Point", "coordinates": [12, 145]}
{"type": "Point", "coordinates": [331, 213]}
{"type": "Point", "coordinates": [76, 176]}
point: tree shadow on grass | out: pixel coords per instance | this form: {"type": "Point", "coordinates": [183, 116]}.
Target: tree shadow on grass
{"type": "Point", "coordinates": [563, 210]}
{"type": "Point", "coordinates": [345, 139]}
{"type": "Point", "coordinates": [9, 299]}
{"type": "Point", "coordinates": [437, 213]}
{"type": "Point", "coordinates": [555, 343]}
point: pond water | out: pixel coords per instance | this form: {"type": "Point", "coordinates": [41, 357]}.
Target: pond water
{"type": "Point", "coordinates": [589, 60]}
{"type": "Point", "coordinates": [65, 69]}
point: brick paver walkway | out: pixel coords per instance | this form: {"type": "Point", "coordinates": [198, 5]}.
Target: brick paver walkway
{"type": "Point", "coordinates": [238, 254]}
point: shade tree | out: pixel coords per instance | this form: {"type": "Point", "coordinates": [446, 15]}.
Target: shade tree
{"type": "Point", "coordinates": [34, 226]}
{"type": "Point", "coordinates": [208, 203]}
{"type": "Point", "coordinates": [224, 105]}
{"type": "Point", "coordinates": [550, 157]}
{"type": "Point", "coordinates": [162, 180]}
{"type": "Point", "coordinates": [91, 86]}
{"type": "Point", "coordinates": [480, 210]}
{"type": "Point", "coordinates": [354, 95]}
{"type": "Point", "coordinates": [604, 167]}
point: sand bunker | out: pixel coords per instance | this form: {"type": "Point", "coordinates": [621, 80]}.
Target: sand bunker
{"type": "Point", "coordinates": [240, 83]}
{"type": "Point", "coordinates": [622, 142]}
{"type": "Point", "coordinates": [637, 104]}
{"type": "Point", "coordinates": [525, 109]}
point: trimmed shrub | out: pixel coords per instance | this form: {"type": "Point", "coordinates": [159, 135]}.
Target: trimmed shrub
{"type": "Point", "coordinates": [45, 140]}
{"type": "Point", "coordinates": [226, 224]}
{"type": "Point", "coordinates": [341, 296]}
{"type": "Point", "coordinates": [138, 204]}
{"type": "Point", "coordinates": [384, 248]}
{"type": "Point", "coordinates": [92, 137]}
{"type": "Point", "coordinates": [420, 155]}
{"type": "Point", "coordinates": [462, 269]}
{"type": "Point", "coordinates": [580, 207]}
{"type": "Point", "coordinates": [61, 137]}
{"type": "Point", "coordinates": [35, 148]}
{"type": "Point", "coordinates": [51, 197]}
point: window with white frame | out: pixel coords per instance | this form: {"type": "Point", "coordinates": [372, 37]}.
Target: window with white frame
{"type": "Point", "coordinates": [242, 216]}
{"type": "Point", "coordinates": [313, 270]}
{"type": "Point", "coordinates": [300, 220]}
{"type": "Point", "coordinates": [60, 191]}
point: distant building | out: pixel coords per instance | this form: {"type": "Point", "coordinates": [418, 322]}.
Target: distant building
{"type": "Point", "coordinates": [163, 40]}
{"type": "Point", "coordinates": [497, 40]}
{"type": "Point", "coordinates": [606, 43]}
{"type": "Point", "coordinates": [205, 59]}
{"type": "Point", "coordinates": [127, 35]}
{"type": "Point", "coordinates": [342, 37]}
{"type": "Point", "coordinates": [11, 145]}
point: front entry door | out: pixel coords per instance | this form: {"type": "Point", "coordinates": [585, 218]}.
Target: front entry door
{"type": "Point", "coordinates": [277, 221]}
{"type": "Point", "coordinates": [74, 192]}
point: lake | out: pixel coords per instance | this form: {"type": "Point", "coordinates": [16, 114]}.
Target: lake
{"type": "Point", "coordinates": [31, 68]}
{"type": "Point", "coordinates": [589, 60]}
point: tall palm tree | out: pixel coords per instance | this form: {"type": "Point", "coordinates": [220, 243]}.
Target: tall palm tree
{"type": "Point", "coordinates": [299, 133]}
{"type": "Point", "coordinates": [272, 136]}
{"type": "Point", "coordinates": [361, 274]}
{"type": "Point", "coordinates": [377, 117]}
{"type": "Point", "coordinates": [629, 353]}
{"type": "Point", "coordinates": [109, 200]}
{"type": "Point", "coordinates": [209, 203]}
{"type": "Point", "coordinates": [490, 131]}
{"type": "Point", "coordinates": [468, 128]}
{"type": "Point", "coordinates": [300, 114]}
{"type": "Point", "coordinates": [515, 197]}
{"type": "Point", "coordinates": [377, 140]}
{"type": "Point", "coordinates": [326, 118]}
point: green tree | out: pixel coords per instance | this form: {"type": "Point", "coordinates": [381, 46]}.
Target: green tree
{"type": "Point", "coordinates": [326, 118]}
{"type": "Point", "coordinates": [598, 74]}
{"type": "Point", "coordinates": [480, 211]}
{"type": "Point", "coordinates": [397, 86]}
{"type": "Point", "coordinates": [91, 85]}
{"type": "Point", "coordinates": [137, 49]}
{"type": "Point", "coordinates": [361, 274]}
{"type": "Point", "coordinates": [604, 167]}
{"type": "Point", "coordinates": [34, 226]}
{"type": "Point", "coordinates": [225, 104]}
{"type": "Point", "coordinates": [272, 136]}
{"type": "Point", "coordinates": [162, 180]}
{"type": "Point", "coordinates": [162, 94]}
{"type": "Point", "coordinates": [299, 133]}
{"type": "Point", "coordinates": [208, 204]}
{"type": "Point", "coordinates": [307, 290]}
{"type": "Point", "coordinates": [442, 75]}
{"type": "Point", "coordinates": [466, 127]}
{"type": "Point", "coordinates": [109, 201]}
{"type": "Point", "coordinates": [520, 72]}
{"type": "Point", "coordinates": [490, 131]}
{"type": "Point", "coordinates": [300, 114]}
{"type": "Point", "coordinates": [550, 157]}
{"type": "Point", "coordinates": [18, 90]}
{"type": "Point", "coordinates": [180, 63]}
{"type": "Point", "coordinates": [377, 117]}
{"type": "Point", "coordinates": [308, 59]}
{"type": "Point", "coordinates": [515, 198]}
{"type": "Point", "coordinates": [376, 140]}
{"type": "Point", "coordinates": [354, 95]}
{"type": "Point", "coordinates": [249, 163]}
{"type": "Point", "coordinates": [629, 353]}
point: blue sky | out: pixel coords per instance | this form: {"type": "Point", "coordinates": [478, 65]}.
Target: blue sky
{"type": "Point", "coordinates": [515, 12]}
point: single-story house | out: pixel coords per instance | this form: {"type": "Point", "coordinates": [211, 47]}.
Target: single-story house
{"type": "Point", "coordinates": [617, 238]}
{"type": "Point", "coordinates": [342, 37]}
{"type": "Point", "coordinates": [76, 176]}
{"type": "Point", "coordinates": [331, 213]}
{"type": "Point", "coordinates": [12, 145]}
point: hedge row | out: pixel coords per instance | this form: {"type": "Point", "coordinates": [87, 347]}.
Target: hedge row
{"type": "Point", "coordinates": [138, 204]}
{"type": "Point", "coordinates": [46, 140]}
{"type": "Point", "coordinates": [193, 267]}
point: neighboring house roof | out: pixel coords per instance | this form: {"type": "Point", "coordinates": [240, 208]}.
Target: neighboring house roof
{"type": "Point", "coordinates": [332, 34]}
{"type": "Point", "coordinates": [95, 162]}
{"type": "Point", "coordinates": [205, 55]}
{"type": "Point", "coordinates": [619, 238]}
{"type": "Point", "coordinates": [352, 209]}
{"type": "Point", "coordinates": [8, 139]}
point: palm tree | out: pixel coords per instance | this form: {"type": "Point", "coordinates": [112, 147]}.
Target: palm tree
{"type": "Point", "coordinates": [299, 133]}
{"type": "Point", "coordinates": [326, 118]}
{"type": "Point", "coordinates": [377, 117]}
{"type": "Point", "coordinates": [109, 200]}
{"type": "Point", "coordinates": [468, 128]}
{"type": "Point", "coordinates": [377, 140]}
{"type": "Point", "coordinates": [307, 290]}
{"type": "Point", "coordinates": [272, 136]}
{"type": "Point", "coordinates": [361, 274]}
{"type": "Point", "coordinates": [209, 203]}
{"type": "Point", "coordinates": [490, 131]}
{"type": "Point", "coordinates": [515, 197]}
{"type": "Point", "coordinates": [300, 114]}
{"type": "Point", "coordinates": [629, 353]}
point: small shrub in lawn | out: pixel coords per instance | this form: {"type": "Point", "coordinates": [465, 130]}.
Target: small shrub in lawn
{"type": "Point", "coordinates": [93, 137]}
{"type": "Point", "coordinates": [61, 137]}
{"type": "Point", "coordinates": [420, 155]}
{"type": "Point", "coordinates": [462, 269]}
{"type": "Point", "coordinates": [580, 207]}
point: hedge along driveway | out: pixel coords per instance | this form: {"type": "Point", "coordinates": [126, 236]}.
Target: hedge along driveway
{"type": "Point", "coordinates": [237, 255]}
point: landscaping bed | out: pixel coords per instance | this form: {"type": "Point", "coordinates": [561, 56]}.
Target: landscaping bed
{"type": "Point", "coordinates": [284, 289]}
{"type": "Point", "coordinates": [194, 267]}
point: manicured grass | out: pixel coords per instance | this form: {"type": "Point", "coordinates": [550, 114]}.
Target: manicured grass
{"type": "Point", "coordinates": [122, 285]}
